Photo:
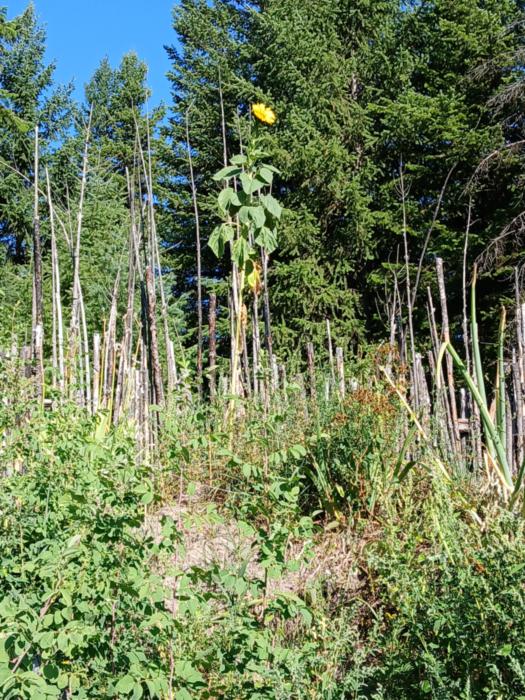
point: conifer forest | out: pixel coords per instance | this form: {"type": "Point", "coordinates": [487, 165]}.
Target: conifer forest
{"type": "Point", "coordinates": [262, 358]}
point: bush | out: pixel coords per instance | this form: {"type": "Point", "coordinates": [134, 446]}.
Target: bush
{"type": "Point", "coordinates": [451, 611]}
{"type": "Point", "coordinates": [82, 609]}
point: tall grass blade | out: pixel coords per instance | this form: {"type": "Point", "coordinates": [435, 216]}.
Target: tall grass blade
{"type": "Point", "coordinates": [491, 431]}
{"type": "Point", "coordinates": [476, 355]}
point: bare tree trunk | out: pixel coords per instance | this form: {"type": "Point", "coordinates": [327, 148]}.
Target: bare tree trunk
{"type": "Point", "coordinates": [409, 292]}
{"type": "Point", "coordinates": [77, 305]}
{"type": "Point", "coordinates": [38, 303]}
{"type": "Point", "coordinates": [152, 323]}
{"type": "Point", "coordinates": [58, 323]}
{"type": "Point", "coordinates": [198, 253]}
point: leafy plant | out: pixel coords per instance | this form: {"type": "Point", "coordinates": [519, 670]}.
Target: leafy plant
{"type": "Point", "coordinates": [82, 607]}
{"type": "Point", "coordinates": [494, 430]}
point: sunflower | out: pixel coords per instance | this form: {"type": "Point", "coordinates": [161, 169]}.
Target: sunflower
{"type": "Point", "coordinates": [264, 114]}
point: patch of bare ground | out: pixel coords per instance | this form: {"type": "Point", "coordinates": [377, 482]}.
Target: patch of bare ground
{"type": "Point", "coordinates": [210, 537]}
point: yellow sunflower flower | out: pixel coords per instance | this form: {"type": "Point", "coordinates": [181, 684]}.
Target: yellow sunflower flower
{"type": "Point", "coordinates": [264, 114]}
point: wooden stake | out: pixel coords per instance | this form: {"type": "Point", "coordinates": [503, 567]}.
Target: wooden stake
{"type": "Point", "coordinates": [446, 339]}
{"type": "Point", "coordinates": [152, 323]}
{"type": "Point", "coordinates": [38, 304]}
{"type": "Point", "coordinates": [340, 371]}
{"type": "Point", "coordinates": [212, 343]}
{"type": "Point", "coordinates": [96, 372]}
{"type": "Point", "coordinates": [311, 370]}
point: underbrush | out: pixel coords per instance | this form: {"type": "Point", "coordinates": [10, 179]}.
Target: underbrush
{"type": "Point", "coordinates": [364, 575]}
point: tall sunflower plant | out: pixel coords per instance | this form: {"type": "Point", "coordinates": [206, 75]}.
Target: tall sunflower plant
{"type": "Point", "coordinates": [249, 211]}
{"type": "Point", "coordinates": [250, 214]}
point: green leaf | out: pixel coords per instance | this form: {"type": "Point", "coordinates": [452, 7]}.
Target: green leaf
{"type": "Point", "coordinates": [505, 650]}
{"type": "Point", "coordinates": [244, 215]}
{"type": "Point", "coordinates": [258, 216]}
{"type": "Point", "coordinates": [241, 252]}
{"type": "Point", "coordinates": [226, 173]}
{"type": "Point", "coordinates": [183, 694]}
{"type": "Point", "coordinates": [272, 205]}
{"type": "Point", "coordinates": [267, 239]}
{"type": "Point", "coordinates": [239, 159]}
{"type": "Point", "coordinates": [63, 681]}
{"type": "Point", "coordinates": [307, 616]}
{"type": "Point", "coordinates": [266, 175]}
{"type": "Point", "coordinates": [137, 691]}
{"type": "Point", "coordinates": [46, 640]}
{"type": "Point", "coordinates": [50, 671]}
{"type": "Point", "coordinates": [125, 685]}
{"type": "Point", "coordinates": [147, 498]}
{"type": "Point", "coordinates": [224, 198]}
{"type": "Point", "coordinates": [186, 672]}
{"type": "Point", "coordinates": [250, 185]}
{"type": "Point", "coordinates": [219, 237]}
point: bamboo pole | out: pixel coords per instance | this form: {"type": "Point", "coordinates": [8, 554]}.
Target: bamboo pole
{"type": "Point", "coordinates": [256, 344]}
{"type": "Point", "coordinates": [58, 322]}
{"type": "Point", "coordinates": [330, 349]}
{"type": "Point", "coordinates": [109, 347]}
{"type": "Point", "coordinates": [266, 308]}
{"type": "Point", "coordinates": [38, 302]}
{"type": "Point", "coordinates": [170, 350]}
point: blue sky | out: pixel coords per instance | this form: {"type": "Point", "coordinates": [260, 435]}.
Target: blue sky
{"type": "Point", "coordinates": [80, 33]}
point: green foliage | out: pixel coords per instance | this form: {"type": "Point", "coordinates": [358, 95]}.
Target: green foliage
{"type": "Point", "coordinates": [93, 601]}
{"type": "Point", "coordinates": [253, 206]}
{"type": "Point", "coordinates": [359, 88]}
{"type": "Point", "coordinates": [450, 622]}
{"type": "Point", "coordinates": [82, 606]}
{"type": "Point", "coordinates": [33, 99]}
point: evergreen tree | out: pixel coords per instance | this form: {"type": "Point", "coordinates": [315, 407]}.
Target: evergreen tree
{"type": "Point", "coordinates": [8, 32]}
{"type": "Point", "coordinates": [438, 126]}
{"type": "Point", "coordinates": [362, 90]}
{"type": "Point", "coordinates": [33, 100]}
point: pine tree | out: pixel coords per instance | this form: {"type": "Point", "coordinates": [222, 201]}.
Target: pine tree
{"type": "Point", "coordinates": [363, 90]}
{"type": "Point", "coordinates": [437, 124]}
{"type": "Point", "coordinates": [34, 100]}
